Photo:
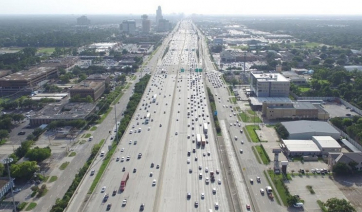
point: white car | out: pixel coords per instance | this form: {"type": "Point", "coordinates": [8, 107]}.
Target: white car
{"type": "Point", "coordinates": [124, 202]}
{"type": "Point", "coordinates": [219, 181]}
{"type": "Point", "coordinates": [262, 191]}
{"type": "Point", "coordinates": [202, 195]}
{"type": "Point", "coordinates": [103, 189]}
{"type": "Point", "coordinates": [154, 182]}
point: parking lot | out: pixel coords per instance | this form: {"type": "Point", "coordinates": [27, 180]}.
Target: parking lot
{"type": "Point", "coordinates": [323, 186]}
{"type": "Point", "coordinates": [338, 110]}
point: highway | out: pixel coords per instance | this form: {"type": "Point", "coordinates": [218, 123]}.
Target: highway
{"type": "Point", "coordinates": [164, 142]}
{"type": "Point", "coordinates": [248, 166]}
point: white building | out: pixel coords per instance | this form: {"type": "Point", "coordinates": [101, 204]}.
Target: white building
{"type": "Point", "coordinates": [301, 148]}
{"type": "Point", "coordinates": [327, 144]}
{"type": "Point", "coordinates": [269, 84]}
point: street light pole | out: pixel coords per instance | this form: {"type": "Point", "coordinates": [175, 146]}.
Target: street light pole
{"type": "Point", "coordinates": [7, 161]}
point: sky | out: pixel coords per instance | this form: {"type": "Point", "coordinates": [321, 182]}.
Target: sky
{"type": "Point", "coordinates": [231, 7]}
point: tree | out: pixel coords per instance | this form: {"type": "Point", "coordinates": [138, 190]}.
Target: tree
{"type": "Point", "coordinates": [24, 170]}
{"type": "Point", "coordinates": [338, 205]}
{"type": "Point", "coordinates": [291, 200]}
{"type": "Point", "coordinates": [341, 168]}
{"type": "Point", "coordinates": [2, 169]}
{"type": "Point", "coordinates": [38, 154]}
{"type": "Point", "coordinates": [4, 134]}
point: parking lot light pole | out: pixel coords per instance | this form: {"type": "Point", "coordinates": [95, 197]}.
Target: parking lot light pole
{"type": "Point", "coordinates": [7, 161]}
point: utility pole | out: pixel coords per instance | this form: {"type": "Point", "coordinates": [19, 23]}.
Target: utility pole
{"type": "Point", "coordinates": [7, 161]}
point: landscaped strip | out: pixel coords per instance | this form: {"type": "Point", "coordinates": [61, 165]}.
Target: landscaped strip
{"type": "Point", "coordinates": [255, 153]}
{"type": "Point", "coordinates": [262, 153]}
{"type": "Point", "coordinates": [280, 186]}
{"type": "Point", "coordinates": [273, 187]}
{"type": "Point", "coordinates": [31, 206]}
{"type": "Point", "coordinates": [251, 132]}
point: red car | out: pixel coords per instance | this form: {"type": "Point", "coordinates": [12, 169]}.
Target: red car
{"type": "Point", "coordinates": [247, 206]}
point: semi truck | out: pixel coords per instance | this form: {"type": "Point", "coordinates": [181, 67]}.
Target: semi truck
{"type": "Point", "coordinates": [124, 181]}
{"type": "Point", "coordinates": [154, 98]}
{"type": "Point", "coordinates": [203, 140]}
{"type": "Point", "coordinates": [205, 128]}
{"type": "Point", "coordinates": [198, 139]}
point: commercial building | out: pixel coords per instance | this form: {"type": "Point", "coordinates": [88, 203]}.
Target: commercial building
{"type": "Point", "coordinates": [346, 158]}
{"type": "Point", "coordinates": [163, 25]}
{"type": "Point", "coordinates": [158, 14]}
{"type": "Point", "coordinates": [86, 88]}
{"type": "Point", "coordinates": [62, 112]}
{"type": "Point", "coordinates": [305, 130]}
{"type": "Point", "coordinates": [294, 77]}
{"type": "Point", "coordinates": [26, 81]}
{"type": "Point", "coordinates": [146, 24]}
{"type": "Point", "coordinates": [129, 27]}
{"type": "Point", "coordinates": [99, 77]}
{"type": "Point", "coordinates": [228, 56]}
{"type": "Point", "coordinates": [327, 144]}
{"type": "Point", "coordinates": [5, 185]}
{"type": "Point", "coordinates": [269, 84]}
{"type": "Point", "coordinates": [293, 110]}
{"type": "Point", "coordinates": [301, 148]}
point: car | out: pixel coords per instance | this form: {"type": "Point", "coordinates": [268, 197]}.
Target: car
{"type": "Point", "coordinates": [206, 169]}
{"type": "Point", "coordinates": [152, 165]}
{"type": "Point", "coordinates": [200, 167]}
{"type": "Point", "coordinates": [251, 181]}
{"type": "Point", "coordinates": [122, 159]}
{"type": "Point", "coordinates": [130, 142]}
{"type": "Point", "coordinates": [134, 170]}
{"type": "Point", "coordinates": [109, 206]}
{"type": "Point", "coordinates": [154, 182]}
{"type": "Point", "coordinates": [216, 205]}
{"type": "Point", "coordinates": [142, 207]}
{"type": "Point", "coordinates": [217, 171]}
{"type": "Point", "coordinates": [92, 172]}
{"type": "Point", "coordinates": [114, 192]}
{"type": "Point", "coordinates": [124, 202]}
{"type": "Point", "coordinates": [207, 180]}
{"type": "Point", "coordinates": [122, 150]}
{"type": "Point", "coordinates": [214, 190]}
{"type": "Point", "coordinates": [208, 153]}
{"type": "Point", "coordinates": [128, 158]}
{"type": "Point", "coordinates": [219, 181]}
{"type": "Point", "coordinates": [151, 174]}
{"type": "Point", "coordinates": [139, 155]}
{"type": "Point", "coordinates": [298, 205]}
{"type": "Point", "coordinates": [262, 191]}
{"type": "Point", "coordinates": [241, 151]}
{"type": "Point", "coordinates": [236, 138]}
{"type": "Point", "coordinates": [157, 166]}
{"type": "Point", "coordinates": [188, 196]}
{"type": "Point", "coordinates": [134, 142]}
{"type": "Point", "coordinates": [124, 169]}
{"type": "Point", "coordinates": [258, 179]}
{"type": "Point", "coordinates": [188, 161]}
{"type": "Point", "coordinates": [196, 204]}
{"type": "Point", "coordinates": [247, 207]}
{"type": "Point", "coordinates": [103, 189]}
{"type": "Point", "coordinates": [21, 133]}
{"type": "Point", "coordinates": [105, 198]}
{"type": "Point", "coordinates": [117, 159]}
{"type": "Point", "coordinates": [176, 133]}
{"type": "Point", "coordinates": [200, 175]}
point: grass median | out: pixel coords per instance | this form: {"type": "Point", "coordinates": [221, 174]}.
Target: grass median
{"type": "Point", "coordinates": [251, 132]}
{"type": "Point", "coordinates": [263, 155]}
{"type": "Point", "coordinates": [280, 186]}
{"type": "Point", "coordinates": [31, 206]}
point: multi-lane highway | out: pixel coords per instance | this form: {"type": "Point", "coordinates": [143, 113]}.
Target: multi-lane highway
{"type": "Point", "coordinates": [174, 104]}
{"type": "Point", "coordinates": [171, 159]}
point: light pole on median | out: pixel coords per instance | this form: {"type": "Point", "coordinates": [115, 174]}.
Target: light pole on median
{"type": "Point", "coordinates": [7, 161]}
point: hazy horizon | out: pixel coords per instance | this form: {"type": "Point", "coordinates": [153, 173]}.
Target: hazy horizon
{"type": "Point", "coordinates": [169, 7]}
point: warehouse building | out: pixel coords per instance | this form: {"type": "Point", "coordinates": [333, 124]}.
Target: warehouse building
{"type": "Point", "coordinates": [326, 144]}
{"type": "Point", "coordinates": [301, 148]}
{"type": "Point", "coordinates": [305, 130]}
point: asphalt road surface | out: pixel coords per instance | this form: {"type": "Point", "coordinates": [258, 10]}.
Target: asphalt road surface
{"type": "Point", "coordinates": [164, 142]}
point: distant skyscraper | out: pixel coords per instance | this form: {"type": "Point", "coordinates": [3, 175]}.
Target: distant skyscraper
{"type": "Point", "coordinates": [158, 14]}
{"type": "Point", "coordinates": [146, 24]}
{"type": "Point", "coordinates": [83, 20]}
{"type": "Point", "coordinates": [129, 26]}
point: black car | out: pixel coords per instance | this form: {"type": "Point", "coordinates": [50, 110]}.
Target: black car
{"type": "Point", "coordinates": [21, 133]}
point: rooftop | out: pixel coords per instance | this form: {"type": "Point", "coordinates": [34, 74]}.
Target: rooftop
{"type": "Point", "coordinates": [77, 110]}
{"type": "Point", "coordinates": [326, 141]}
{"type": "Point", "coordinates": [304, 126]}
{"type": "Point", "coordinates": [260, 100]}
{"type": "Point", "coordinates": [301, 146]}
{"type": "Point", "coordinates": [87, 84]}
{"type": "Point", "coordinates": [29, 74]}
{"type": "Point", "coordinates": [275, 77]}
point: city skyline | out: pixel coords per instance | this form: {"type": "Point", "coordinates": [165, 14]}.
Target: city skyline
{"type": "Point", "coordinates": [226, 7]}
